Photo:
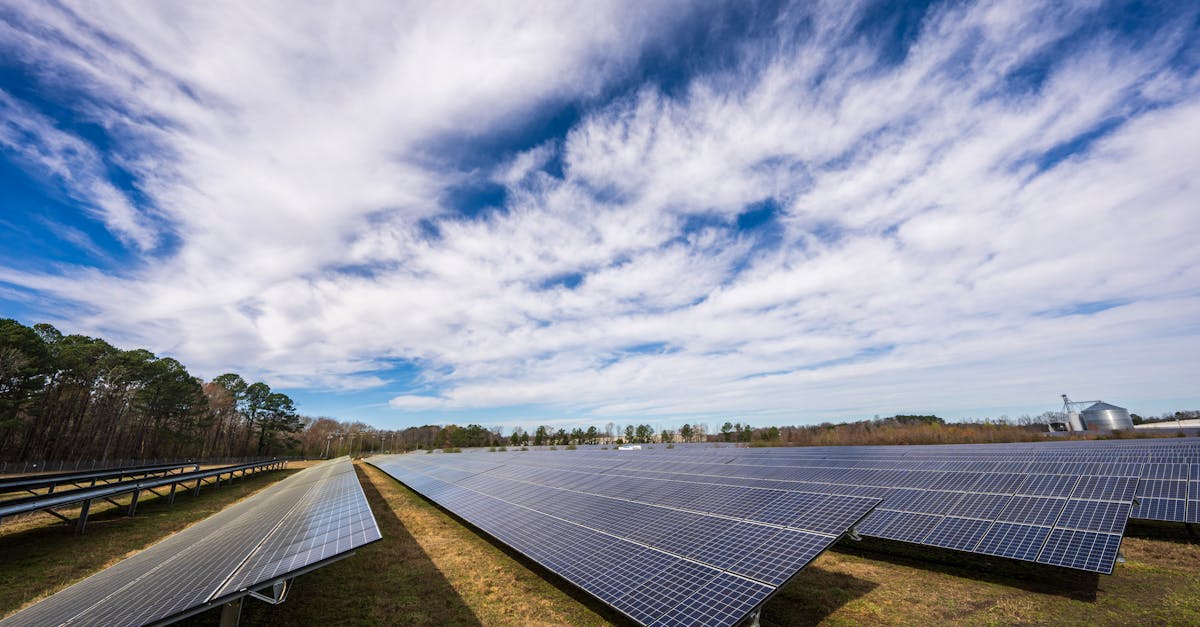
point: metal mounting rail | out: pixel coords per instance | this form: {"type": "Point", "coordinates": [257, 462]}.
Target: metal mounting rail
{"type": "Point", "coordinates": [28, 483]}
{"type": "Point", "coordinates": [85, 496]}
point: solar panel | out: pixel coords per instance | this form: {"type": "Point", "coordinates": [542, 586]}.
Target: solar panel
{"type": "Point", "coordinates": [962, 481]}
{"type": "Point", "coordinates": [1013, 540]}
{"type": "Point", "coordinates": [662, 551]}
{"type": "Point", "coordinates": [962, 534]}
{"type": "Point", "coordinates": [1085, 550]}
{"type": "Point", "coordinates": [305, 520]}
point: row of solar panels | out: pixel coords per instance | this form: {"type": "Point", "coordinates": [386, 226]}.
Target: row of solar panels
{"type": "Point", "coordinates": [708, 561]}
{"type": "Point", "coordinates": [707, 507]}
{"type": "Point", "coordinates": [307, 520]}
{"type": "Point", "coordinates": [50, 481]}
{"type": "Point", "coordinates": [107, 491]}
{"type": "Point", "coordinates": [1012, 517]}
{"type": "Point", "coordinates": [1167, 490]}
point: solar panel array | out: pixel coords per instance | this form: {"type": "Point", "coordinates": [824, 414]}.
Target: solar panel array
{"type": "Point", "coordinates": [661, 551]}
{"type": "Point", "coordinates": [315, 516]}
{"type": "Point", "coordinates": [1060, 503]}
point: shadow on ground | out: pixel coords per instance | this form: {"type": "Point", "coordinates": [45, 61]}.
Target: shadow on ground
{"type": "Point", "coordinates": [812, 595]}
{"type": "Point", "coordinates": [604, 610]}
{"type": "Point", "coordinates": [1064, 582]}
{"type": "Point", "coordinates": [1179, 533]}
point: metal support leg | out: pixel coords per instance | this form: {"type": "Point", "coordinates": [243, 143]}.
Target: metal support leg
{"type": "Point", "coordinates": [196, 491]}
{"type": "Point", "coordinates": [852, 533]}
{"type": "Point", "coordinates": [1120, 557]}
{"type": "Point", "coordinates": [171, 498]}
{"type": "Point", "coordinates": [133, 502]}
{"type": "Point", "coordinates": [754, 616]}
{"type": "Point", "coordinates": [83, 514]}
{"type": "Point", "coordinates": [231, 613]}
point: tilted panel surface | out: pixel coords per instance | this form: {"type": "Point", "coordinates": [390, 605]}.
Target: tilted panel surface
{"type": "Point", "coordinates": [661, 551]}
{"type": "Point", "coordinates": [252, 542]}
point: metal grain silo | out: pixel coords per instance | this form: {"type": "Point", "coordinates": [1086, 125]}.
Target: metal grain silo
{"type": "Point", "coordinates": [1104, 417]}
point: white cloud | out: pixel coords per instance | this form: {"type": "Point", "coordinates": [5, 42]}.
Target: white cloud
{"type": "Point", "coordinates": [918, 247]}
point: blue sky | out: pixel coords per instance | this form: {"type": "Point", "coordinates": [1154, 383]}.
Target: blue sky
{"type": "Point", "coordinates": [518, 213]}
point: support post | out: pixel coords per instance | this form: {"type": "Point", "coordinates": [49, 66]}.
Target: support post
{"type": "Point", "coordinates": [196, 491]}
{"type": "Point", "coordinates": [754, 616]}
{"type": "Point", "coordinates": [83, 514]}
{"type": "Point", "coordinates": [171, 498]}
{"type": "Point", "coordinates": [133, 502]}
{"type": "Point", "coordinates": [231, 613]}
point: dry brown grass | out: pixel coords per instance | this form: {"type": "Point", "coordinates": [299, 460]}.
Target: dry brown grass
{"type": "Point", "coordinates": [884, 584]}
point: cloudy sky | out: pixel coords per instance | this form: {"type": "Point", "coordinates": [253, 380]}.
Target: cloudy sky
{"type": "Point", "coordinates": [520, 212]}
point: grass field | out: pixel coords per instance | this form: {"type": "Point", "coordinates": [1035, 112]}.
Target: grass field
{"type": "Point", "coordinates": [430, 569]}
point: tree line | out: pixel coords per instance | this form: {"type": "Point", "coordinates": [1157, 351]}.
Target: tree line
{"type": "Point", "coordinates": [74, 397]}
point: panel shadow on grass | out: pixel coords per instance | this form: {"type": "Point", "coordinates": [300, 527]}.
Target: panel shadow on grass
{"type": "Point", "coordinates": [1039, 578]}
{"type": "Point", "coordinates": [566, 587]}
{"type": "Point", "coordinates": [812, 595]}
{"type": "Point", "coordinates": [1178, 533]}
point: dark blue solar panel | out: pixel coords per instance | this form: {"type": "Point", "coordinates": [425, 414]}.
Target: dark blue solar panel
{"type": "Point", "coordinates": [1193, 512]}
{"type": "Point", "coordinates": [652, 599]}
{"type": "Point", "coordinates": [1162, 489]}
{"type": "Point", "coordinates": [903, 526]}
{"type": "Point", "coordinates": [962, 534]}
{"type": "Point", "coordinates": [1106, 488]}
{"type": "Point", "coordinates": [1084, 550]}
{"type": "Point", "coordinates": [920, 501]}
{"type": "Point", "coordinates": [789, 507]}
{"type": "Point", "coordinates": [984, 506]}
{"type": "Point", "coordinates": [724, 600]}
{"type": "Point", "coordinates": [564, 529]}
{"type": "Point", "coordinates": [1048, 485]}
{"type": "Point", "coordinates": [727, 548]}
{"type": "Point", "coordinates": [998, 483]}
{"type": "Point", "coordinates": [1105, 516]}
{"type": "Point", "coordinates": [1164, 471]}
{"type": "Point", "coordinates": [1016, 541]}
{"type": "Point", "coordinates": [777, 559]}
{"type": "Point", "coordinates": [1032, 510]}
{"type": "Point", "coordinates": [1171, 510]}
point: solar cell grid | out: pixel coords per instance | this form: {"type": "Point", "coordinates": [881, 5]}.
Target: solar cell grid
{"type": "Point", "coordinates": [1032, 510]}
{"type": "Point", "coordinates": [1105, 488]}
{"type": "Point", "coordinates": [1105, 516]}
{"type": "Point", "coordinates": [724, 600]}
{"type": "Point", "coordinates": [780, 555]}
{"type": "Point", "coordinates": [903, 526]}
{"type": "Point", "coordinates": [1048, 485]}
{"type": "Point", "coordinates": [1084, 550]}
{"type": "Point", "coordinates": [1170, 510]}
{"type": "Point", "coordinates": [728, 547]}
{"type": "Point", "coordinates": [1164, 471]}
{"type": "Point", "coordinates": [962, 534]}
{"type": "Point", "coordinates": [651, 600]}
{"type": "Point", "coordinates": [998, 483]}
{"type": "Point", "coordinates": [1162, 489]}
{"type": "Point", "coordinates": [1013, 540]}
{"type": "Point", "coordinates": [982, 506]}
